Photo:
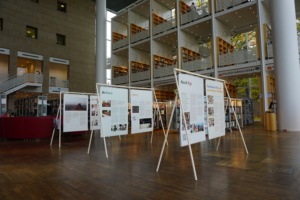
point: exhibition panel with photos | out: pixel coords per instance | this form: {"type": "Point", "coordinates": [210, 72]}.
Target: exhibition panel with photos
{"type": "Point", "coordinates": [113, 101]}
{"type": "Point", "coordinates": [73, 114]}
{"type": "Point", "coordinates": [191, 96]}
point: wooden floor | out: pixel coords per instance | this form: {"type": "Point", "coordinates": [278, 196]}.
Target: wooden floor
{"type": "Point", "coordinates": [34, 170]}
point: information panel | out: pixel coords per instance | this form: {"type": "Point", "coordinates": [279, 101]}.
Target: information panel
{"type": "Point", "coordinates": [191, 90]}
{"type": "Point", "coordinates": [94, 113]}
{"type": "Point", "coordinates": [75, 116]}
{"type": "Point", "coordinates": [114, 107]}
{"type": "Point", "coordinates": [141, 111]}
{"type": "Point", "coordinates": [215, 108]}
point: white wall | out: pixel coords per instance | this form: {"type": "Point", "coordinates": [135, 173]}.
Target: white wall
{"type": "Point", "coordinates": [119, 61]}
{"type": "Point", "coordinates": [161, 10]}
{"type": "Point", "coordinates": [189, 41]}
{"type": "Point", "coordinates": [223, 31]}
{"type": "Point", "coordinates": [266, 16]}
{"type": "Point", "coordinates": [162, 49]}
{"type": "Point", "coordinates": [59, 71]}
{"type": "Point", "coordinates": [139, 20]}
{"type": "Point", "coordinates": [140, 56]}
{"type": "Point", "coordinates": [119, 27]}
{"type": "Point", "coordinates": [4, 64]}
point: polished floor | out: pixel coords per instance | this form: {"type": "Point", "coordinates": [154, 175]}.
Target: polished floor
{"type": "Point", "coordinates": [34, 170]}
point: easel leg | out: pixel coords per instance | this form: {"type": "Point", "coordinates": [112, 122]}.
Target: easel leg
{"type": "Point", "coordinates": [91, 136]}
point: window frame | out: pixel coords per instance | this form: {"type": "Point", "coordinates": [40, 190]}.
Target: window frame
{"type": "Point", "coordinates": [59, 8]}
{"type": "Point", "coordinates": [1, 24]}
{"type": "Point", "coordinates": [33, 28]}
{"type": "Point", "coordinates": [64, 39]}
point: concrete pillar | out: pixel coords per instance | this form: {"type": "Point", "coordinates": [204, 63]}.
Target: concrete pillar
{"type": "Point", "coordinates": [286, 60]}
{"type": "Point", "coordinates": [101, 41]}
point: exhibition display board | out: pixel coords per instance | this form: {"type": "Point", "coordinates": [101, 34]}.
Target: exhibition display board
{"type": "Point", "coordinates": [192, 101]}
{"type": "Point", "coordinates": [193, 110]}
{"type": "Point", "coordinates": [215, 108]}
{"type": "Point", "coordinates": [75, 116]}
{"type": "Point", "coordinates": [94, 113]}
{"type": "Point", "coordinates": [114, 111]}
{"type": "Point", "coordinates": [141, 111]}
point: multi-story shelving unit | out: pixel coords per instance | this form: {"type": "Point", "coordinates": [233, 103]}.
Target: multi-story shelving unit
{"type": "Point", "coordinates": [160, 61]}
{"type": "Point", "coordinates": [119, 71]}
{"type": "Point", "coordinates": [248, 112]}
{"type": "Point", "coordinates": [236, 105]}
{"type": "Point", "coordinates": [189, 55]}
{"type": "Point", "coordinates": [3, 103]}
{"type": "Point", "coordinates": [137, 67]}
{"type": "Point", "coordinates": [231, 90]}
{"type": "Point", "coordinates": [223, 46]}
{"type": "Point", "coordinates": [31, 106]}
{"type": "Point", "coordinates": [164, 95]}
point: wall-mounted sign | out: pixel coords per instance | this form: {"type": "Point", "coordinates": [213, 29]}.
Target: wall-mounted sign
{"type": "Point", "coordinates": [240, 71]}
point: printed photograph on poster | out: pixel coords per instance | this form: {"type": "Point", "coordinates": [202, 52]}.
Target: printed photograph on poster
{"type": "Point", "coordinates": [95, 113]}
{"type": "Point", "coordinates": [119, 127]}
{"type": "Point", "coordinates": [93, 106]}
{"type": "Point", "coordinates": [145, 123]}
{"type": "Point", "coordinates": [210, 111]}
{"type": "Point", "coordinates": [211, 122]}
{"type": "Point", "coordinates": [95, 122]}
{"type": "Point", "coordinates": [210, 99]}
{"type": "Point", "coordinates": [135, 109]}
{"type": "Point", "coordinates": [106, 113]}
{"type": "Point", "coordinates": [187, 118]}
{"type": "Point", "coordinates": [75, 104]}
{"type": "Point", "coordinates": [106, 103]}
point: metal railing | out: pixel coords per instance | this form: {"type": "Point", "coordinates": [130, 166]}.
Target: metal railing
{"type": "Point", "coordinates": [120, 43]}
{"type": "Point", "coordinates": [55, 82]}
{"type": "Point", "coordinates": [197, 65]}
{"type": "Point", "coordinates": [196, 14]}
{"type": "Point", "coordinates": [224, 4]}
{"type": "Point", "coordinates": [140, 36]}
{"type": "Point", "coordinates": [3, 77]}
{"type": "Point", "coordinates": [238, 57]}
{"type": "Point", "coordinates": [140, 76]}
{"type": "Point", "coordinates": [120, 80]}
{"type": "Point", "coordinates": [164, 71]}
{"type": "Point", "coordinates": [165, 26]}
{"type": "Point", "coordinates": [17, 80]}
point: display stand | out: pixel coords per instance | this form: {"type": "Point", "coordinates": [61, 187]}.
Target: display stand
{"type": "Point", "coordinates": [100, 111]}
{"type": "Point", "coordinates": [185, 121]}
{"type": "Point", "coordinates": [59, 115]}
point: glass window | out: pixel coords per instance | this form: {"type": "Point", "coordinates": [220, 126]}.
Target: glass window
{"type": "Point", "coordinates": [61, 6]}
{"type": "Point", "coordinates": [60, 39]}
{"type": "Point", "coordinates": [31, 32]}
{"type": "Point", "coordinates": [1, 24]}
{"type": "Point", "coordinates": [109, 15]}
{"type": "Point", "coordinates": [35, 1]}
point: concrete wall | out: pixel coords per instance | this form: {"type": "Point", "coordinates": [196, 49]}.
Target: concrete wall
{"type": "Point", "coordinates": [77, 24]}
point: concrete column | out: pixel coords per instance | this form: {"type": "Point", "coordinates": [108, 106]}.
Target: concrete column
{"type": "Point", "coordinates": [101, 41]}
{"type": "Point", "coordinates": [286, 60]}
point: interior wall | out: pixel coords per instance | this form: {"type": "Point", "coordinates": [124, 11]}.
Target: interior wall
{"type": "Point", "coordinates": [59, 71]}
{"type": "Point", "coordinates": [189, 41]}
{"type": "Point", "coordinates": [139, 20]}
{"type": "Point", "coordinates": [162, 49]}
{"type": "Point", "coordinates": [140, 56]}
{"type": "Point", "coordinates": [161, 10]}
{"type": "Point", "coordinates": [119, 27]}
{"type": "Point", "coordinates": [119, 61]}
{"type": "Point", "coordinates": [27, 65]}
{"type": "Point", "coordinates": [223, 31]}
{"type": "Point", "coordinates": [4, 64]}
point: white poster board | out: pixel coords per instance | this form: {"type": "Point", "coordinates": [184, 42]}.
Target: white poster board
{"type": "Point", "coordinates": [94, 113]}
{"type": "Point", "coordinates": [114, 108]}
{"type": "Point", "coordinates": [75, 113]}
{"type": "Point", "coordinates": [191, 90]}
{"type": "Point", "coordinates": [215, 108]}
{"type": "Point", "coordinates": [141, 111]}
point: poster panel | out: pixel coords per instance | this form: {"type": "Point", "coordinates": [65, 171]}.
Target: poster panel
{"type": "Point", "coordinates": [75, 113]}
{"type": "Point", "coordinates": [114, 108]}
{"type": "Point", "coordinates": [141, 111]}
{"type": "Point", "coordinates": [215, 108]}
{"type": "Point", "coordinates": [191, 90]}
{"type": "Point", "coordinates": [94, 113]}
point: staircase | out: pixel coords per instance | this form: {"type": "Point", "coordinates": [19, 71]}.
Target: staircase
{"type": "Point", "coordinates": [18, 82]}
